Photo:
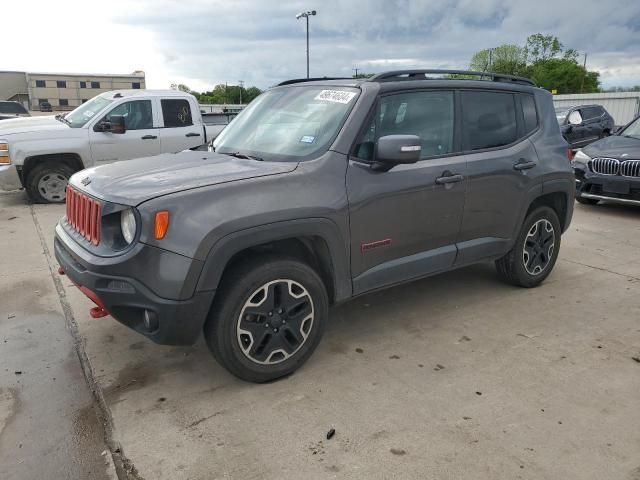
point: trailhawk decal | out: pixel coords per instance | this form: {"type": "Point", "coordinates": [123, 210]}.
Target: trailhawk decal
{"type": "Point", "coordinates": [335, 96]}
{"type": "Point", "coordinates": [377, 244]}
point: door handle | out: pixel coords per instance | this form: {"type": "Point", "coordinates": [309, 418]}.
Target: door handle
{"type": "Point", "coordinates": [192, 134]}
{"type": "Point", "coordinates": [448, 177]}
{"type": "Point", "coordinates": [149, 137]}
{"type": "Point", "coordinates": [524, 164]}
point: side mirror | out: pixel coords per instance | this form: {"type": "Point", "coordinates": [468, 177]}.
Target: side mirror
{"type": "Point", "coordinates": [393, 150]}
{"type": "Point", "coordinates": [117, 124]}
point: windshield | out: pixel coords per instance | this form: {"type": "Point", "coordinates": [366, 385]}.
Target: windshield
{"type": "Point", "coordinates": [12, 107]}
{"type": "Point", "coordinates": [633, 130]}
{"type": "Point", "coordinates": [289, 123]}
{"type": "Point", "coordinates": [85, 112]}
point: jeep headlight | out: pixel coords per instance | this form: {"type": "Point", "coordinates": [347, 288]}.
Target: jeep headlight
{"type": "Point", "coordinates": [4, 154]}
{"type": "Point", "coordinates": [581, 157]}
{"type": "Point", "coordinates": [128, 225]}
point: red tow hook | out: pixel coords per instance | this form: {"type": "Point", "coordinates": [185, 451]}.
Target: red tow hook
{"type": "Point", "coordinates": [99, 310]}
{"type": "Point", "coordinates": [60, 271]}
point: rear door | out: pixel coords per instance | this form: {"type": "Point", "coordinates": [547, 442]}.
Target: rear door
{"type": "Point", "coordinates": [178, 130]}
{"type": "Point", "coordinates": [501, 169]}
{"type": "Point", "coordinates": [404, 222]}
{"type": "Point", "coordinates": [141, 138]}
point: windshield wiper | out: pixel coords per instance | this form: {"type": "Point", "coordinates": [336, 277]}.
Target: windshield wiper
{"type": "Point", "coordinates": [60, 117]}
{"type": "Point", "coordinates": [631, 136]}
{"type": "Point", "coordinates": [245, 156]}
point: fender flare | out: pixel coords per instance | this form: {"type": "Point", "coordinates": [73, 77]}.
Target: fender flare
{"type": "Point", "coordinates": [224, 249]}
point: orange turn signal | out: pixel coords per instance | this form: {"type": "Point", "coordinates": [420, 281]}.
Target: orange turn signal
{"type": "Point", "coordinates": [162, 224]}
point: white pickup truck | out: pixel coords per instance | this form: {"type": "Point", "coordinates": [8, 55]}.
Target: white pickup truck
{"type": "Point", "coordinates": [41, 153]}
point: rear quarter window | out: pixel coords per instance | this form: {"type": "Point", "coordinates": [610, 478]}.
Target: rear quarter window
{"type": "Point", "coordinates": [529, 113]}
{"type": "Point", "coordinates": [488, 120]}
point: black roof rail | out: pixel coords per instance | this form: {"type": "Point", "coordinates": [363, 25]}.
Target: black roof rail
{"type": "Point", "coordinates": [422, 75]}
{"type": "Point", "coordinates": [301, 80]}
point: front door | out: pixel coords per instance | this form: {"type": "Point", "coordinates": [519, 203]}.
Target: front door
{"type": "Point", "coordinates": [404, 222]}
{"type": "Point", "coordinates": [141, 138]}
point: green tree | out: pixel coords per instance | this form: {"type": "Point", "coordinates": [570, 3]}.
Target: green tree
{"type": "Point", "coordinates": [564, 76]}
{"type": "Point", "coordinates": [507, 58]}
{"type": "Point", "coordinates": [363, 75]}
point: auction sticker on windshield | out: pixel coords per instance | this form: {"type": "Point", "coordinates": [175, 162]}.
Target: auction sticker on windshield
{"type": "Point", "coordinates": [336, 96]}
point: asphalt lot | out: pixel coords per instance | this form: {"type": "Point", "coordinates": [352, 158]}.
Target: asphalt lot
{"type": "Point", "coordinates": [453, 377]}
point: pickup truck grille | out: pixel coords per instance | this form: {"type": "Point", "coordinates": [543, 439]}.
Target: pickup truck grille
{"type": "Point", "coordinates": [84, 215]}
{"type": "Point", "coordinates": [630, 168]}
{"type": "Point", "coordinates": [605, 166]}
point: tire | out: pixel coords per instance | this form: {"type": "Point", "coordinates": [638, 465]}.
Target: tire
{"type": "Point", "coordinates": [241, 309]}
{"type": "Point", "coordinates": [587, 201]}
{"type": "Point", "coordinates": [512, 269]}
{"type": "Point", "coordinates": [47, 182]}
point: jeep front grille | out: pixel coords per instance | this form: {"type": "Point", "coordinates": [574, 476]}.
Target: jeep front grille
{"type": "Point", "coordinates": [630, 168]}
{"type": "Point", "coordinates": [605, 166]}
{"type": "Point", "coordinates": [84, 215]}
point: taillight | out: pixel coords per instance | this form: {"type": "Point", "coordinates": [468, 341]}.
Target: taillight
{"type": "Point", "coordinates": [569, 154]}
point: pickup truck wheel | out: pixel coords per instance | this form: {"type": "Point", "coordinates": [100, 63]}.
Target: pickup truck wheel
{"type": "Point", "coordinates": [47, 182]}
{"type": "Point", "coordinates": [535, 252]}
{"type": "Point", "coordinates": [268, 318]}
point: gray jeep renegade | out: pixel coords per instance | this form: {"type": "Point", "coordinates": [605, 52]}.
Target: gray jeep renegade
{"type": "Point", "coordinates": [317, 192]}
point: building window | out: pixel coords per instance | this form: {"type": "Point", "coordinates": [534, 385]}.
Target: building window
{"type": "Point", "coordinates": [40, 83]}
{"type": "Point", "coordinates": [95, 84]}
{"type": "Point", "coordinates": [61, 84]}
{"type": "Point", "coordinates": [83, 84]}
{"type": "Point", "coordinates": [135, 85]}
{"type": "Point", "coordinates": [64, 102]}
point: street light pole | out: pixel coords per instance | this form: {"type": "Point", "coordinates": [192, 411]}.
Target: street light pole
{"type": "Point", "coordinates": [306, 16]}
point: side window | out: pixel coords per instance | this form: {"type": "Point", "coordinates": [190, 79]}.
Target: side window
{"type": "Point", "coordinates": [529, 113]}
{"type": "Point", "coordinates": [137, 114]}
{"type": "Point", "coordinates": [489, 119]}
{"type": "Point", "coordinates": [176, 113]}
{"type": "Point", "coordinates": [429, 115]}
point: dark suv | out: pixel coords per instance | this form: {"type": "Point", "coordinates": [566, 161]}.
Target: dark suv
{"type": "Point", "coordinates": [584, 124]}
{"type": "Point", "coordinates": [317, 192]}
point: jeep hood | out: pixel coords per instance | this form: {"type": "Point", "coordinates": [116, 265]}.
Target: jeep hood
{"type": "Point", "coordinates": [47, 124]}
{"type": "Point", "coordinates": [132, 182]}
{"type": "Point", "coordinates": [616, 146]}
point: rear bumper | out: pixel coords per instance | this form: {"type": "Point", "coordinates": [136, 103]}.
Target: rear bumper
{"type": "Point", "coordinates": [613, 188]}
{"type": "Point", "coordinates": [173, 322]}
{"type": "Point", "coordinates": [9, 179]}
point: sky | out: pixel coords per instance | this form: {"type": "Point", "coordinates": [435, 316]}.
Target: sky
{"type": "Point", "coordinates": [202, 43]}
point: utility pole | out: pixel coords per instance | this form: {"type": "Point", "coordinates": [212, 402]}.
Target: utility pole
{"type": "Point", "coordinates": [356, 70]}
{"type": "Point", "coordinates": [584, 74]}
{"type": "Point", "coordinates": [306, 16]}
{"type": "Point", "coordinates": [241, 83]}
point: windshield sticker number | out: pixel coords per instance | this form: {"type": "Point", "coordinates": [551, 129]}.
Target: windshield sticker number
{"type": "Point", "coordinates": [336, 96]}
{"type": "Point", "coordinates": [308, 139]}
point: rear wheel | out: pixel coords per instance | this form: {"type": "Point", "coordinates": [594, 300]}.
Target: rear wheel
{"type": "Point", "coordinates": [47, 182]}
{"type": "Point", "coordinates": [535, 252]}
{"type": "Point", "coordinates": [267, 319]}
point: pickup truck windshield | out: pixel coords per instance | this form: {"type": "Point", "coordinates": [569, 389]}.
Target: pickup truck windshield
{"type": "Point", "coordinates": [85, 112]}
{"type": "Point", "coordinates": [288, 123]}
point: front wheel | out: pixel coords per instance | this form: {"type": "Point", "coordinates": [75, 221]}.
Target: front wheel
{"type": "Point", "coordinates": [47, 182]}
{"type": "Point", "coordinates": [535, 252]}
{"type": "Point", "coordinates": [267, 319]}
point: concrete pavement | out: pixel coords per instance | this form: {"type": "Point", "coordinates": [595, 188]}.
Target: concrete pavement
{"type": "Point", "coordinates": [457, 376]}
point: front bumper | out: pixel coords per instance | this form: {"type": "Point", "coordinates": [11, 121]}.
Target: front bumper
{"type": "Point", "coordinates": [173, 322]}
{"type": "Point", "coordinates": [613, 188]}
{"type": "Point", "coordinates": [9, 178]}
